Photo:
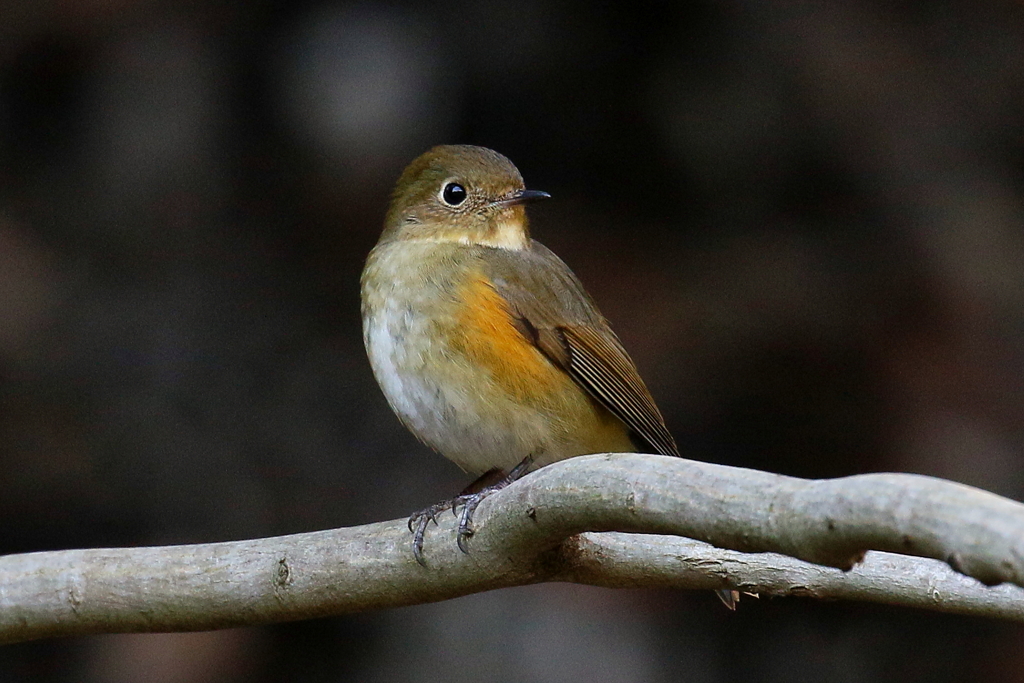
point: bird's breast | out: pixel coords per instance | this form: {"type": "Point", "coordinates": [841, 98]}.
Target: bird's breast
{"type": "Point", "coordinates": [459, 373]}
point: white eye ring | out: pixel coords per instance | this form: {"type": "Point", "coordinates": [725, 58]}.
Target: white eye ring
{"type": "Point", "coordinates": [453, 193]}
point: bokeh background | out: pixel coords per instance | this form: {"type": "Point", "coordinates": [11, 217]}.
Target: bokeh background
{"type": "Point", "coordinates": [804, 219]}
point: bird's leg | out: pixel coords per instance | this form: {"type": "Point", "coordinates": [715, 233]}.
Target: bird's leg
{"type": "Point", "coordinates": [470, 501]}
{"type": "Point", "coordinates": [471, 497]}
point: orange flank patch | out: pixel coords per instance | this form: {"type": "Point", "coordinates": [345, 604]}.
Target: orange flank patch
{"type": "Point", "coordinates": [523, 376]}
{"type": "Point", "coordinates": [490, 340]}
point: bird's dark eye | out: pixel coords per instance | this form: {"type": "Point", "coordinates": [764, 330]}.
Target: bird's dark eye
{"type": "Point", "coordinates": [453, 194]}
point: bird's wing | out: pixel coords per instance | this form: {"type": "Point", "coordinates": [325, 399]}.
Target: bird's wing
{"type": "Point", "coordinates": [555, 313]}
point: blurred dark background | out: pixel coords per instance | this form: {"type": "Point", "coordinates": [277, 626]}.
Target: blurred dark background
{"type": "Point", "coordinates": [804, 220]}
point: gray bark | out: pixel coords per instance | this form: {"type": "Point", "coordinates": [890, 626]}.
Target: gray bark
{"type": "Point", "coordinates": [816, 531]}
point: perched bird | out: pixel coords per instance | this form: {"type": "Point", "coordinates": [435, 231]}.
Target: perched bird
{"type": "Point", "coordinates": [485, 344]}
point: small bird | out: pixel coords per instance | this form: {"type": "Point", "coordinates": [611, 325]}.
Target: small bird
{"type": "Point", "coordinates": [485, 344]}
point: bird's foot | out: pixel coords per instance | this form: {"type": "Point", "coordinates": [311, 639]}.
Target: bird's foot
{"type": "Point", "coordinates": [469, 502]}
{"type": "Point", "coordinates": [418, 522]}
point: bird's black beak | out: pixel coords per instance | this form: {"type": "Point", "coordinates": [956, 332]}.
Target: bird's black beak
{"type": "Point", "coordinates": [523, 197]}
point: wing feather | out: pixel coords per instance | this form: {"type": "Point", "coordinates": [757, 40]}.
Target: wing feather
{"type": "Point", "coordinates": [558, 316]}
{"type": "Point", "coordinates": [604, 369]}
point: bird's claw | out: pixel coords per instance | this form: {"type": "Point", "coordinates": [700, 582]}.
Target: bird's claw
{"type": "Point", "coordinates": [418, 522]}
{"type": "Point", "coordinates": [468, 502]}
{"type": "Point", "coordinates": [469, 506]}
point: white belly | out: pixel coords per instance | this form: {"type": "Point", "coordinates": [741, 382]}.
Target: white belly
{"type": "Point", "coordinates": [428, 384]}
{"type": "Point", "coordinates": [445, 398]}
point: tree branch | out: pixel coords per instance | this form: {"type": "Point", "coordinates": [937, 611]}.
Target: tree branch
{"type": "Point", "coordinates": [533, 531]}
{"type": "Point", "coordinates": [612, 560]}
